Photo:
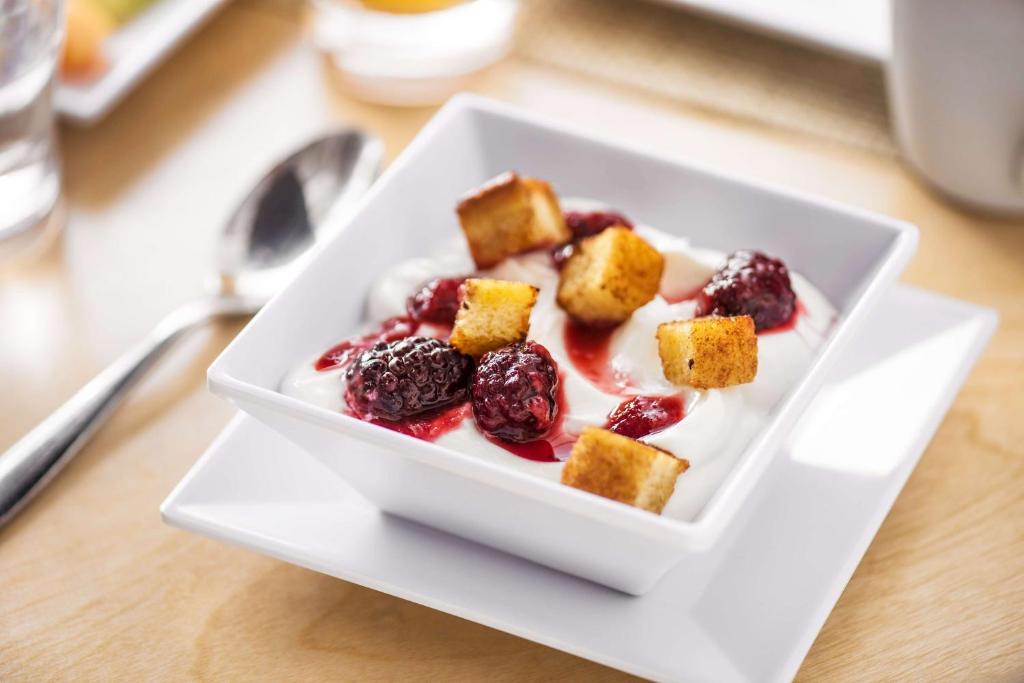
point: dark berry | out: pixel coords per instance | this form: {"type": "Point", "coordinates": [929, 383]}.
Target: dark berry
{"type": "Point", "coordinates": [753, 284]}
{"type": "Point", "coordinates": [392, 381]}
{"type": "Point", "coordinates": [436, 301]}
{"type": "Point", "coordinates": [515, 392]}
{"type": "Point", "coordinates": [643, 415]}
{"type": "Point", "coordinates": [587, 223]}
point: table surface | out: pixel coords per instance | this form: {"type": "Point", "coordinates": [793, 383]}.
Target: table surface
{"type": "Point", "coordinates": [95, 587]}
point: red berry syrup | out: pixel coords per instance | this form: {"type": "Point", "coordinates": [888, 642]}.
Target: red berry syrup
{"type": "Point", "coordinates": [428, 427]}
{"type": "Point", "coordinates": [589, 350]}
{"type": "Point", "coordinates": [644, 415]}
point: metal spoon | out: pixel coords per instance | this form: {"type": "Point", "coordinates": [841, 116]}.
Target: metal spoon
{"type": "Point", "coordinates": [261, 247]}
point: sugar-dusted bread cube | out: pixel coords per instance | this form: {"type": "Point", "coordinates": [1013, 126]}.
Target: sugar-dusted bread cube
{"type": "Point", "coordinates": [709, 353]}
{"type": "Point", "coordinates": [509, 215]}
{"type": "Point", "coordinates": [609, 276]}
{"type": "Point", "coordinates": [492, 314]}
{"type": "Point", "coordinates": [623, 469]}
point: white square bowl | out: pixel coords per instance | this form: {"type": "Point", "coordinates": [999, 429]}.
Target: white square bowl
{"type": "Point", "coordinates": [850, 255]}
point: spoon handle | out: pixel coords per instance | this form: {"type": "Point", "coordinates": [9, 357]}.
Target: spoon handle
{"type": "Point", "coordinates": [29, 465]}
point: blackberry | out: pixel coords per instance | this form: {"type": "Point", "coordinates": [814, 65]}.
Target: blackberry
{"type": "Point", "coordinates": [436, 301]}
{"type": "Point", "coordinates": [515, 392]}
{"type": "Point", "coordinates": [395, 380]}
{"type": "Point", "coordinates": [750, 283]}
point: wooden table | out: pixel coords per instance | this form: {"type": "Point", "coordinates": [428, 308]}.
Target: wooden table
{"type": "Point", "coordinates": [94, 588]}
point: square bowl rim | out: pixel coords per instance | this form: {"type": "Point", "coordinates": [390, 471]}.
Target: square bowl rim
{"type": "Point", "coordinates": [716, 512]}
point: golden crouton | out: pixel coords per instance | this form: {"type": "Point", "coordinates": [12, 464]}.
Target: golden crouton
{"type": "Point", "coordinates": [709, 353]}
{"type": "Point", "coordinates": [510, 215]}
{"type": "Point", "coordinates": [609, 276]}
{"type": "Point", "coordinates": [620, 468]}
{"type": "Point", "coordinates": [492, 313]}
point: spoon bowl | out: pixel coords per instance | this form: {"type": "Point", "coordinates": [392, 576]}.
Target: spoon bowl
{"type": "Point", "coordinates": [294, 206]}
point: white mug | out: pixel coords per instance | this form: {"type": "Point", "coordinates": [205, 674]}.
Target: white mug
{"type": "Point", "coordinates": [956, 90]}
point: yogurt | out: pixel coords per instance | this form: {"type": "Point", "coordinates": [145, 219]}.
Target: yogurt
{"type": "Point", "coordinates": [718, 423]}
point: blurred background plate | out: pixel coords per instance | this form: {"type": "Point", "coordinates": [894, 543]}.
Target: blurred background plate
{"type": "Point", "coordinates": [857, 28]}
{"type": "Point", "coordinates": [132, 51]}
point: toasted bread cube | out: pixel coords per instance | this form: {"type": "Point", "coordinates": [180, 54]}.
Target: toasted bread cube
{"type": "Point", "coordinates": [492, 314]}
{"type": "Point", "coordinates": [709, 353]}
{"type": "Point", "coordinates": [609, 276]}
{"type": "Point", "coordinates": [509, 215]}
{"type": "Point", "coordinates": [623, 469]}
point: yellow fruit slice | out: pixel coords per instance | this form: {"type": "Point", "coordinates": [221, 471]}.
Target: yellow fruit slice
{"type": "Point", "coordinates": [409, 6]}
{"type": "Point", "coordinates": [87, 27]}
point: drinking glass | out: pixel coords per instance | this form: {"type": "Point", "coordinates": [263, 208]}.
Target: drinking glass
{"type": "Point", "coordinates": [412, 52]}
{"type": "Point", "coordinates": [30, 37]}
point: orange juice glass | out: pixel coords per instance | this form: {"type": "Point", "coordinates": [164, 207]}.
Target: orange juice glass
{"type": "Point", "coordinates": [411, 52]}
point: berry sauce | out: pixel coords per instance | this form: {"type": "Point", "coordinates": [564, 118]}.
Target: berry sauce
{"type": "Point", "coordinates": [428, 427]}
{"type": "Point", "coordinates": [644, 415]}
{"type": "Point", "coordinates": [549, 449]}
{"type": "Point", "coordinates": [553, 447]}
{"type": "Point", "coordinates": [345, 352]}
{"type": "Point", "coordinates": [589, 350]}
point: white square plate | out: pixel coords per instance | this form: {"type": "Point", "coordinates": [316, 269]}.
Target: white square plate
{"type": "Point", "coordinates": [713, 618]}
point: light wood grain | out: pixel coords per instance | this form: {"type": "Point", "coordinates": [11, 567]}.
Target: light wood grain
{"type": "Point", "coordinates": [94, 588]}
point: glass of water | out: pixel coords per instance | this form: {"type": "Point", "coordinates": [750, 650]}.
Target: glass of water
{"type": "Point", "coordinates": [30, 37]}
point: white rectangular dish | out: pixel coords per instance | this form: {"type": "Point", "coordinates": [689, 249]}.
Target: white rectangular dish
{"type": "Point", "coordinates": [850, 255]}
{"type": "Point", "coordinates": [133, 51]}
{"type": "Point", "coordinates": [857, 29]}
{"type": "Point", "coordinates": [748, 610]}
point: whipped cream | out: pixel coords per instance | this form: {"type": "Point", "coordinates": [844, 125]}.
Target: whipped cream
{"type": "Point", "coordinates": [718, 423]}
